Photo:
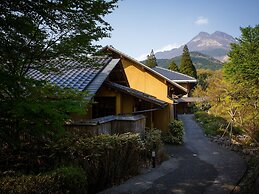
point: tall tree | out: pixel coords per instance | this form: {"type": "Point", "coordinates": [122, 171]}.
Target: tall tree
{"type": "Point", "coordinates": [187, 66]}
{"type": "Point", "coordinates": [38, 31]}
{"type": "Point", "coordinates": [31, 34]}
{"type": "Point", "coordinates": [242, 70]}
{"type": "Point", "coordinates": [151, 60]}
{"type": "Point", "coordinates": [244, 57]}
{"type": "Point", "coordinates": [172, 66]}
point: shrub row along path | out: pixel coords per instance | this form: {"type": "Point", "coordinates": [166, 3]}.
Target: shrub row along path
{"type": "Point", "coordinates": [197, 166]}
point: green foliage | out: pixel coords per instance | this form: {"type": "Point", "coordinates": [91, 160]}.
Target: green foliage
{"type": "Point", "coordinates": [175, 133]}
{"type": "Point", "coordinates": [173, 67]}
{"type": "Point", "coordinates": [71, 179]}
{"type": "Point", "coordinates": [107, 159]}
{"type": "Point", "coordinates": [212, 125]}
{"type": "Point", "coordinates": [202, 77]}
{"type": "Point", "coordinates": [243, 73]}
{"type": "Point", "coordinates": [153, 142]}
{"type": "Point", "coordinates": [40, 111]}
{"type": "Point", "coordinates": [151, 60]}
{"type": "Point", "coordinates": [62, 180]}
{"type": "Point", "coordinates": [32, 34]}
{"type": "Point", "coordinates": [244, 58]}
{"type": "Point", "coordinates": [43, 30]}
{"type": "Point", "coordinates": [187, 66]}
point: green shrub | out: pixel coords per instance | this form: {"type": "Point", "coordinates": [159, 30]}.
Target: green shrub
{"type": "Point", "coordinates": [71, 179]}
{"type": "Point", "coordinates": [28, 158]}
{"type": "Point", "coordinates": [62, 180]}
{"type": "Point", "coordinates": [107, 159]}
{"type": "Point", "coordinates": [175, 133]}
{"type": "Point", "coordinates": [153, 142]}
{"type": "Point", "coordinates": [211, 124]}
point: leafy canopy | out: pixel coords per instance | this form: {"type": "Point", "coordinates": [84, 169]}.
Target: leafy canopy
{"type": "Point", "coordinates": [36, 31]}
{"type": "Point", "coordinates": [234, 94]}
{"type": "Point", "coordinates": [33, 33]}
{"type": "Point", "coordinates": [244, 58]}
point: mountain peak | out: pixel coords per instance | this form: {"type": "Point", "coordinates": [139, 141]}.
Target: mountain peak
{"type": "Point", "coordinates": [218, 33]}
{"type": "Point", "coordinates": [215, 45]}
{"type": "Point", "coordinates": [203, 34]}
{"type": "Point", "coordinates": [222, 35]}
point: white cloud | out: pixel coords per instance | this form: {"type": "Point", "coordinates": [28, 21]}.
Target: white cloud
{"type": "Point", "coordinates": [142, 57]}
{"type": "Point", "coordinates": [201, 20]}
{"type": "Point", "coordinates": [167, 47]}
{"type": "Point", "coordinates": [164, 48]}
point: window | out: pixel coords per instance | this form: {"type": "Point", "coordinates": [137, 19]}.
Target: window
{"type": "Point", "coordinates": [104, 106]}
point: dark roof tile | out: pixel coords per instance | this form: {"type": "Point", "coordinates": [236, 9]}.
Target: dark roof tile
{"type": "Point", "coordinates": [174, 76]}
{"type": "Point", "coordinates": [76, 76]}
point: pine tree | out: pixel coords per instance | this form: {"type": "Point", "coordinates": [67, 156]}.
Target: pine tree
{"type": "Point", "coordinates": [173, 67]}
{"type": "Point", "coordinates": [151, 60]}
{"type": "Point", "coordinates": [187, 66]}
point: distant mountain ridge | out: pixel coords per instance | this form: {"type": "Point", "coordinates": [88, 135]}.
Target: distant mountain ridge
{"type": "Point", "coordinates": [200, 61]}
{"type": "Point", "coordinates": [216, 45]}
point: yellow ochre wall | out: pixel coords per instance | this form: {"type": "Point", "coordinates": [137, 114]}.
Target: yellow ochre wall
{"type": "Point", "coordinates": [161, 118]}
{"type": "Point", "coordinates": [124, 103]}
{"type": "Point", "coordinates": [141, 80]}
{"type": "Point", "coordinates": [147, 82]}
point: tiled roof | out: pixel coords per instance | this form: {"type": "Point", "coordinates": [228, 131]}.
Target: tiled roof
{"type": "Point", "coordinates": [77, 76]}
{"type": "Point", "coordinates": [136, 93]}
{"type": "Point", "coordinates": [175, 76]}
{"type": "Point", "coordinates": [101, 77]}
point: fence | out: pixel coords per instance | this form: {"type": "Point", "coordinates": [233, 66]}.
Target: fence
{"type": "Point", "coordinates": [110, 125]}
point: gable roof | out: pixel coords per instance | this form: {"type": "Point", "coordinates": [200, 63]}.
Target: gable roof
{"type": "Point", "coordinates": [144, 66]}
{"type": "Point", "coordinates": [136, 93]}
{"type": "Point", "coordinates": [80, 76]}
{"type": "Point", "coordinates": [175, 76]}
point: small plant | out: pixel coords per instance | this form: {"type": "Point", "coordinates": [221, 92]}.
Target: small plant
{"type": "Point", "coordinates": [175, 133]}
{"type": "Point", "coordinates": [153, 142]}
{"type": "Point", "coordinates": [212, 125]}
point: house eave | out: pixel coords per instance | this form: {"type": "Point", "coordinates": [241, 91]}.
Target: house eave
{"type": "Point", "coordinates": [185, 81]}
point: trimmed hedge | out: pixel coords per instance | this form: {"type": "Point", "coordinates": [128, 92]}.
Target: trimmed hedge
{"type": "Point", "coordinates": [107, 159]}
{"type": "Point", "coordinates": [62, 180]}
{"type": "Point", "coordinates": [175, 133]}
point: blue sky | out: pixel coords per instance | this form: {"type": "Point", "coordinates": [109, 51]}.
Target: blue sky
{"type": "Point", "coordinates": [142, 25]}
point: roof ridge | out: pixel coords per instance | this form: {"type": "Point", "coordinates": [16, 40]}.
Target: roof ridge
{"type": "Point", "coordinates": [175, 72]}
{"type": "Point", "coordinates": [99, 71]}
{"type": "Point", "coordinates": [150, 69]}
